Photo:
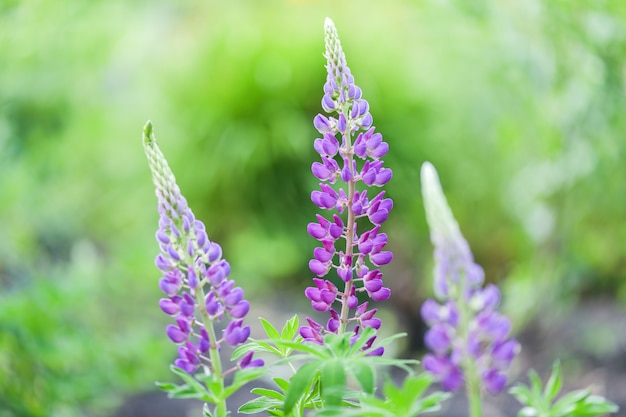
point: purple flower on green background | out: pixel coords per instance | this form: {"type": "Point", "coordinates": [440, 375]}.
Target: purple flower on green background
{"type": "Point", "coordinates": [468, 338]}
{"type": "Point", "coordinates": [350, 150]}
{"type": "Point", "coordinates": [194, 278]}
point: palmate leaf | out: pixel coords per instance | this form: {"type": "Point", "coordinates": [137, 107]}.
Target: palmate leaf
{"type": "Point", "coordinates": [539, 402]}
{"type": "Point", "coordinates": [290, 329]}
{"type": "Point", "coordinates": [403, 401]}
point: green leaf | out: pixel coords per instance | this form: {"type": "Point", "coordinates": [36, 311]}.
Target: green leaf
{"type": "Point", "coordinates": [300, 383]}
{"type": "Point", "coordinates": [429, 404]}
{"type": "Point", "coordinates": [242, 377]}
{"type": "Point", "coordinates": [258, 405]}
{"type": "Point", "coordinates": [193, 386]}
{"type": "Point", "coordinates": [269, 393]}
{"type": "Point", "coordinates": [535, 384]}
{"type": "Point", "coordinates": [522, 393]}
{"type": "Point", "coordinates": [290, 330]}
{"type": "Point", "coordinates": [319, 351]}
{"type": "Point", "coordinates": [333, 382]}
{"type": "Point", "coordinates": [206, 412]}
{"type": "Point", "coordinates": [166, 386]}
{"type": "Point", "coordinates": [270, 330]}
{"type": "Point", "coordinates": [528, 412]}
{"type": "Point", "coordinates": [365, 375]}
{"type": "Point", "coordinates": [186, 391]}
{"type": "Point", "coordinates": [553, 386]}
{"type": "Point", "coordinates": [567, 403]}
{"type": "Point", "coordinates": [282, 383]}
{"type": "Point", "coordinates": [350, 350]}
{"type": "Point", "coordinates": [594, 405]}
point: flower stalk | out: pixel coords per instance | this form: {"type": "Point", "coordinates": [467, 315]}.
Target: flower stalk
{"type": "Point", "coordinates": [351, 163]}
{"type": "Point", "coordinates": [468, 338]}
{"type": "Point", "coordinates": [198, 293]}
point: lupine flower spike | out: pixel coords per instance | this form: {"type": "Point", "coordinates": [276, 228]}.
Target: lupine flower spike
{"type": "Point", "coordinates": [350, 150]}
{"type": "Point", "coordinates": [194, 279]}
{"type": "Point", "coordinates": [468, 337]}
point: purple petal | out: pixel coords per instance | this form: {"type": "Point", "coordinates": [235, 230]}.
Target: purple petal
{"type": "Point", "coordinates": [449, 375]}
{"type": "Point", "coordinates": [494, 381]}
{"type": "Point", "coordinates": [379, 351]}
{"type": "Point", "coordinates": [373, 285]}
{"type": "Point", "coordinates": [379, 151]}
{"type": "Point", "coordinates": [240, 309]}
{"type": "Point", "coordinates": [320, 171]}
{"type": "Point", "coordinates": [328, 104]}
{"type": "Point", "coordinates": [322, 124]}
{"type": "Point", "coordinates": [316, 230]}
{"type": "Point", "coordinates": [185, 365]}
{"type": "Point", "coordinates": [379, 217]}
{"type": "Point", "coordinates": [175, 334]}
{"type": "Point", "coordinates": [437, 339]}
{"type": "Point", "coordinates": [233, 297]}
{"type": "Point", "coordinates": [342, 123]}
{"type": "Point", "coordinates": [318, 268]}
{"type": "Point", "coordinates": [168, 287]}
{"type": "Point", "coordinates": [168, 306]}
{"type": "Point", "coordinates": [215, 252]}
{"type": "Point", "coordinates": [505, 352]}
{"type": "Point", "coordinates": [322, 255]}
{"type": "Point", "coordinates": [381, 258]}
{"type": "Point", "coordinates": [383, 176]}
{"type": "Point", "coordinates": [381, 295]}
{"type": "Point", "coordinates": [162, 263]}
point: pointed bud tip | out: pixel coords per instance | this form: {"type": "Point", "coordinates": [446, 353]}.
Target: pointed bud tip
{"type": "Point", "coordinates": [328, 23]}
{"type": "Point", "coordinates": [429, 173]}
{"type": "Point", "coordinates": [148, 135]}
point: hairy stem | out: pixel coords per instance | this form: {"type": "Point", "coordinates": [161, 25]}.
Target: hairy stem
{"type": "Point", "coordinates": [351, 224]}
{"type": "Point", "coordinates": [216, 361]}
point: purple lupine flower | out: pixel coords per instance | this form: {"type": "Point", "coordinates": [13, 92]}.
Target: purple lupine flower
{"type": "Point", "coordinates": [350, 150]}
{"type": "Point", "coordinates": [468, 338]}
{"type": "Point", "coordinates": [194, 279]}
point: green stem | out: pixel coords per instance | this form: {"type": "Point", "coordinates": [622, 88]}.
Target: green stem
{"type": "Point", "coordinates": [472, 379]}
{"type": "Point", "coordinates": [216, 361]}
{"type": "Point", "coordinates": [474, 398]}
{"type": "Point", "coordinates": [345, 310]}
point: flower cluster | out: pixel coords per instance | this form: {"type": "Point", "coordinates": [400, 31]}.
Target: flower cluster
{"type": "Point", "coordinates": [468, 337]}
{"type": "Point", "coordinates": [190, 264]}
{"type": "Point", "coordinates": [356, 265]}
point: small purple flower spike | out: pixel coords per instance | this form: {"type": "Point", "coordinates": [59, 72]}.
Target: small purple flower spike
{"type": "Point", "coordinates": [194, 278]}
{"type": "Point", "coordinates": [350, 150]}
{"type": "Point", "coordinates": [468, 337]}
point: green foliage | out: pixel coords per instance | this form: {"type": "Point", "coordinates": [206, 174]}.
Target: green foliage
{"type": "Point", "coordinates": [208, 388]}
{"type": "Point", "coordinates": [540, 402]}
{"type": "Point", "coordinates": [405, 401]}
{"type": "Point", "coordinates": [321, 382]}
{"type": "Point", "coordinates": [59, 354]}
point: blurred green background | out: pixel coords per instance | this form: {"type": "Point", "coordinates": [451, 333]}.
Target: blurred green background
{"type": "Point", "coordinates": [519, 104]}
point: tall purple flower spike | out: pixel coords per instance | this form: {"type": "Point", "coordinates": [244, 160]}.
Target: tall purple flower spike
{"type": "Point", "coordinates": [468, 338]}
{"type": "Point", "coordinates": [194, 276]}
{"type": "Point", "coordinates": [350, 152]}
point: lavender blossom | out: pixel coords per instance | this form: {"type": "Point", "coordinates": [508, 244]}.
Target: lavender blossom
{"type": "Point", "coordinates": [468, 337]}
{"type": "Point", "coordinates": [352, 159]}
{"type": "Point", "coordinates": [195, 280]}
